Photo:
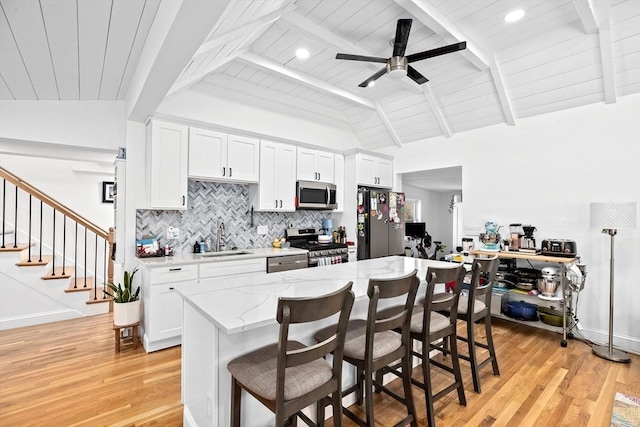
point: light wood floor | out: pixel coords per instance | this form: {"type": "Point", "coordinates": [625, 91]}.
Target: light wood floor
{"type": "Point", "coordinates": [67, 374]}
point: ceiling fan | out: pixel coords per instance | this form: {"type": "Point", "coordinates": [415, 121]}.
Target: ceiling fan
{"type": "Point", "coordinates": [398, 65]}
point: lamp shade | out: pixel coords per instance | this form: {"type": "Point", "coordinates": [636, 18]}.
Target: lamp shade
{"type": "Point", "coordinates": [613, 215]}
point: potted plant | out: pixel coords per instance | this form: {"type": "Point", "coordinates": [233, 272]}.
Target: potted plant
{"type": "Point", "coordinates": [126, 301]}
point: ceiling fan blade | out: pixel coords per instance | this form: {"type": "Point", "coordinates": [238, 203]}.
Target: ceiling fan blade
{"type": "Point", "coordinates": [436, 52]}
{"type": "Point", "coordinates": [402, 36]}
{"type": "Point", "coordinates": [416, 76]}
{"type": "Point", "coordinates": [373, 78]}
{"type": "Point", "coordinates": [360, 58]}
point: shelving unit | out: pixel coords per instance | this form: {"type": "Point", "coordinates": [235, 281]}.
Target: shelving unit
{"type": "Point", "coordinates": [564, 262]}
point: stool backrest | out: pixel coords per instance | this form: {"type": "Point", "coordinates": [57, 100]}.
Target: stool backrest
{"type": "Point", "coordinates": [446, 302]}
{"type": "Point", "coordinates": [379, 289]}
{"type": "Point", "coordinates": [487, 267]}
{"type": "Point", "coordinates": [304, 310]}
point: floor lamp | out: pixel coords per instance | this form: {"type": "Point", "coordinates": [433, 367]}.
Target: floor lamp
{"type": "Point", "coordinates": [610, 217]}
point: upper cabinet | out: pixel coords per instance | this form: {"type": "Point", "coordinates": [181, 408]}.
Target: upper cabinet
{"type": "Point", "coordinates": [223, 157]}
{"type": "Point", "coordinates": [315, 165]}
{"type": "Point", "coordinates": [167, 148]}
{"type": "Point", "coordinates": [374, 171]}
{"type": "Point", "coordinates": [276, 190]}
{"type": "Point", "coordinates": [339, 181]}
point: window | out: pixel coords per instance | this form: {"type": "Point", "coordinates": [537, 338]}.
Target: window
{"type": "Point", "coordinates": [412, 210]}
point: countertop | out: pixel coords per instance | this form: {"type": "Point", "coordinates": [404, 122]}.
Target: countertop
{"type": "Point", "coordinates": [191, 258]}
{"type": "Point", "coordinates": [244, 307]}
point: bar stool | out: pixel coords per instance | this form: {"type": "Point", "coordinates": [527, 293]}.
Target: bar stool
{"type": "Point", "coordinates": [474, 308]}
{"type": "Point", "coordinates": [372, 344]}
{"type": "Point", "coordinates": [288, 376]}
{"type": "Point", "coordinates": [441, 330]}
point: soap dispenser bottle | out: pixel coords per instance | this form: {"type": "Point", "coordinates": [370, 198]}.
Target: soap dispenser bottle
{"type": "Point", "coordinates": [196, 248]}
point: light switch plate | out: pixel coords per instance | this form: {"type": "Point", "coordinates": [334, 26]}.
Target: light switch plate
{"type": "Point", "coordinates": [263, 229]}
{"type": "Point", "coordinates": [173, 233]}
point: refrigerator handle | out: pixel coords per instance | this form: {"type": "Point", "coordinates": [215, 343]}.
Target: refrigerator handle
{"type": "Point", "coordinates": [327, 196]}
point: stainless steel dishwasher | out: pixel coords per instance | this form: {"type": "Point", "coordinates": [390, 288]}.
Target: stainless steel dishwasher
{"type": "Point", "coordinates": [287, 262]}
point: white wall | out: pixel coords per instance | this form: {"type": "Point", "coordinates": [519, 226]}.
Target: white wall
{"type": "Point", "coordinates": [435, 213]}
{"type": "Point", "coordinates": [545, 171]}
{"type": "Point", "coordinates": [258, 117]}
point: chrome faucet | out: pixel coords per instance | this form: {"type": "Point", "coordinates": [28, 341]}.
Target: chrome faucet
{"type": "Point", "coordinates": [219, 236]}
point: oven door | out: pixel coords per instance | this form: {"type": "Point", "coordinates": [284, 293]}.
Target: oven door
{"type": "Point", "coordinates": [316, 195]}
{"type": "Point", "coordinates": [316, 261]}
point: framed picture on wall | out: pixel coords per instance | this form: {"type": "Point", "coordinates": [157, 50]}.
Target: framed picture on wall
{"type": "Point", "coordinates": [108, 192]}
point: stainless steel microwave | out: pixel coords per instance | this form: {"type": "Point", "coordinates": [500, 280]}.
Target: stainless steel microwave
{"type": "Point", "coordinates": [315, 195]}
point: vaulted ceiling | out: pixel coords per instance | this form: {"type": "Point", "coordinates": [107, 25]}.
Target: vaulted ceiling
{"type": "Point", "coordinates": [562, 54]}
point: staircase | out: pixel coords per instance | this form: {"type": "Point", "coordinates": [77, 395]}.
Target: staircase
{"type": "Point", "coordinates": [53, 262]}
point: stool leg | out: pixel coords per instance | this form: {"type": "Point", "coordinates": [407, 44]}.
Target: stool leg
{"type": "Point", "coordinates": [117, 337]}
{"type": "Point", "coordinates": [492, 351]}
{"type": "Point", "coordinates": [473, 360]}
{"type": "Point", "coordinates": [236, 392]}
{"type": "Point", "coordinates": [426, 380]}
{"type": "Point", "coordinates": [406, 381]}
{"type": "Point", "coordinates": [136, 340]}
{"type": "Point", "coordinates": [457, 373]}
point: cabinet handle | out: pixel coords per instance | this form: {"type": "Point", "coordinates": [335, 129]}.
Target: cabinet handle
{"type": "Point", "coordinates": [175, 269]}
{"type": "Point", "coordinates": [183, 200]}
{"type": "Point", "coordinates": [224, 170]}
{"type": "Point", "coordinates": [171, 288]}
{"type": "Point", "coordinates": [318, 176]}
{"type": "Point", "coordinates": [276, 203]}
{"type": "Point", "coordinates": [280, 203]}
{"type": "Point", "coordinates": [230, 172]}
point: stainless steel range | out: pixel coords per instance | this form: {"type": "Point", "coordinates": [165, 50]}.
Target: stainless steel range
{"type": "Point", "coordinates": [319, 253]}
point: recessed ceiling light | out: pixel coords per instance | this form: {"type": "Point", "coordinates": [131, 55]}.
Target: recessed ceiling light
{"type": "Point", "coordinates": [302, 53]}
{"type": "Point", "coordinates": [514, 15]}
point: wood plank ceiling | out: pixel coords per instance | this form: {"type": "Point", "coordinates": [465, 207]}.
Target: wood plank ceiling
{"type": "Point", "coordinates": [562, 54]}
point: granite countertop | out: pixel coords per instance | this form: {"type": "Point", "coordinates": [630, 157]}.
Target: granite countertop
{"type": "Point", "coordinates": [241, 308]}
{"type": "Point", "coordinates": [191, 258]}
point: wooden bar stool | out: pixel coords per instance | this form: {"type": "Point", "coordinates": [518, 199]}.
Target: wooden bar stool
{"type": "Point", "coordinates": [133, 339]}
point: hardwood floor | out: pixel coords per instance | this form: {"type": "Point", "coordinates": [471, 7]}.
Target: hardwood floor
{"type": "Point", "coordinates": [68, 374]}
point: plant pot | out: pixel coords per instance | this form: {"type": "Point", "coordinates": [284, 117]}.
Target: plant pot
{"type": "Point", "coordinates": [126, 313]}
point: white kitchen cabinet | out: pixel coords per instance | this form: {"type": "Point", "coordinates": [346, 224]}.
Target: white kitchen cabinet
{"type": "Point", "coordinates": [374, 171]}
{"type": "Point", "coordinates": [276, 189]}
{"type": "Point", "coordinates": [167, 152]}
{"type": "Point", "coordinates": [218, 156]}
{"type": "Point", "coordinates": [315, 165]}
{"type": "Point", "coordinates": [162, 306]}
{"type": "Point", "coordinates": [339, 181]}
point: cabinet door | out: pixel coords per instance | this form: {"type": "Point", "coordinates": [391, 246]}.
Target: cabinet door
{"type": "Point", "coordinates": [165, 312]}
{"type": "Point", "coordinates": [207, 153]}
{"type": "Point", "coordinates": [306, 165]}
{"type": "Point", "coordinates": [167, 165]}
{"type": "Point", "coordinates": [385, 173]}
{"type": "Point", "coordinates": [325, 166]}
{"type": "Point", "coordinates": [267, 199]}
{"type": "Point", "coordinates": [243, 155]}
{"type": "Point", "coordinates": [338, 174]}
{"type": "Point", "coordinates": [366, 170]}
{"type": "Point", "coordinates": [285, 181]}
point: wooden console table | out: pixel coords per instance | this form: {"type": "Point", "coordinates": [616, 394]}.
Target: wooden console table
{"type": "Point", "coordinates": [564, 263]}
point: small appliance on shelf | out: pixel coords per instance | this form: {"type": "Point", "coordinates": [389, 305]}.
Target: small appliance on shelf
{"type": "Point", "coordinates": [490, 238]}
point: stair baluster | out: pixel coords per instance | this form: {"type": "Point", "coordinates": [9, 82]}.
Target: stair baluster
{"type": "Point", "coordinates": [30, 219]}
{"type": "Point", "coordinates": [39, 259]}
{"type": "Point", "coordinates": [64, 242]}
{"type": "Point", "coordinates": [15, 223]}
{"type": "Point", "coordinates": [4, 196]}
{"type": "Point", "coordinates": [85, 257]}
{"type": "Point", "coordinates": [104, 268]}
{"type": "Point", "coordinates": [53, 245]}
{"type": "Point", "coordinates": [95, 272]}
{"type": "Point", "coordinates": [75, 259]}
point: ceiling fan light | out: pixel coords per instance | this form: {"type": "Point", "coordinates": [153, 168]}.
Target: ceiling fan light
{"type": "Point", "coordinates": [302, 53]}
{"type": "Point", "coordinates": [398, 73]}
{"type": "Point", "coordinates": [514, 15]}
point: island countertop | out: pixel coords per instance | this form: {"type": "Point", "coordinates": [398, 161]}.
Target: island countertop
{"type": "Point", "coordinates": [196, 258]}
{"type": "Point", "coordinates": [251, 302]}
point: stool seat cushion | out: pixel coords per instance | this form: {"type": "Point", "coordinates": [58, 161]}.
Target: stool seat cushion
{"type": "Point", "coordinates": [355, 340]}
{"type": "Point", "coordinates": [437, 322]}
{"type": "Point", "coordinates": [256, 371]}
{"type": "Point", "coordinates": [464, 301]}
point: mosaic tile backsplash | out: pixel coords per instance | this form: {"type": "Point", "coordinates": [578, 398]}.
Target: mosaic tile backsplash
{"type": "Point", "coordinates": [211, 202]}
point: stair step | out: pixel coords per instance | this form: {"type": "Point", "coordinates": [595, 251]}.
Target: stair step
{"type": "Point", "coordinates": [58, 273]}
{"type": "Point", "coordinates": [34, 261]}
{"type": "Point", "coordinates": [19, 247]}
{"type": "Point", "coordinates": [80, 284]}
{"type": "Point", "coordinates": [98, 297]}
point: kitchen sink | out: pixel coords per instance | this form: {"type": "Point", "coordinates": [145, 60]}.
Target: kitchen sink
{"type": "Point", "coordinates": [224, 253]}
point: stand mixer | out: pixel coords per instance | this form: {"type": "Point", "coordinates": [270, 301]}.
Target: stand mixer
{"type": "Point", "coordinates": [490, 238]}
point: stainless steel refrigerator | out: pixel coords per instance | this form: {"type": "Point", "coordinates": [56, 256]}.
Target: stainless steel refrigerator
{"type": "Point", "coordinates": [380, 223]}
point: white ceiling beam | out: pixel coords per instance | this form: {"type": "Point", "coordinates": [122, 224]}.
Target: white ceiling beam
{"type": "Point", "coordinates": [387, 124]}
{"type": "Point", "coordinates": [178, 30]}
{"type": "Point", "coordinates": [606, 55]}
{"type": "Point", "coordinates": [305, 79]}
{"type": "Point", "coordinates": [249, 27]}
{"type": "Point", "coordinates": [435, 109]}
{"type": "Point", "coordinates": [439, 24]}
{"type": "Point", "coordinates": [501, 89]}
{"type": "Point", "coordinates": [587, 16]}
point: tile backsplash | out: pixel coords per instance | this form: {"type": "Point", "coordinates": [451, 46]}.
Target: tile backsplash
{"type": "Point", "coordinates": [210, 202]}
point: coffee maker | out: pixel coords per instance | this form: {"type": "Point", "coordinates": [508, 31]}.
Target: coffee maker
{"type": "Point", "coordinates": [528, 242]}
{"type": "Point", "coordinates": [516, 232]}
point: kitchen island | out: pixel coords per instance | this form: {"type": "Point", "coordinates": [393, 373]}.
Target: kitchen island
{"type": "Point", "coordinates": [220, 324]}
